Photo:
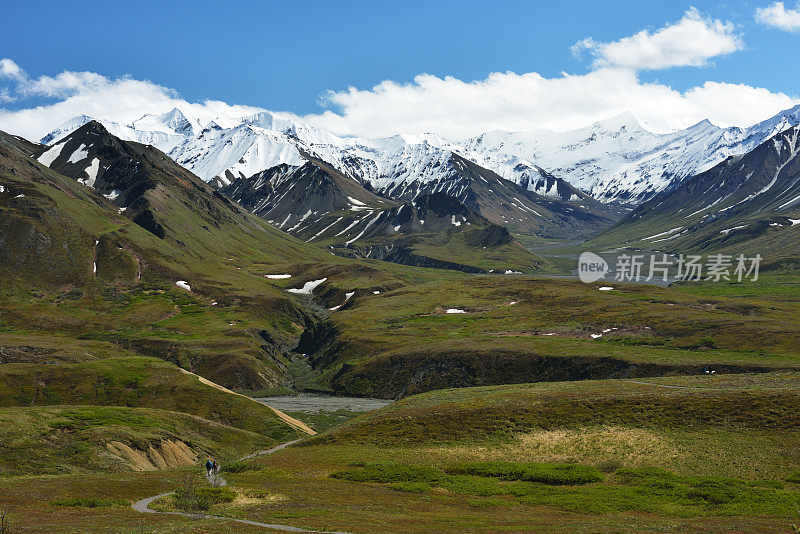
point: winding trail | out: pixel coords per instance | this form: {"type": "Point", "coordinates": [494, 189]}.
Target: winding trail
{"type": "Point", "coordinates": [143, 506]}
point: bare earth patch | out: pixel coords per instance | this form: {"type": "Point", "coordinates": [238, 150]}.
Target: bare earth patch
{"type": "Point", "coordinates": [168, 454]}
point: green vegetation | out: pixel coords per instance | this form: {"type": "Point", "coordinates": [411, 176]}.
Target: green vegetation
{"type": "Point", "coordinates": [641, 490]}
{"type": "Point", "coordinates": [135, 381]}
{"type": "Point", "coordinates": [518, 329]}
{"type": "Point", "coordinates": [201, 498]}
{"type": "Point", "coordinates": [323, 420]}
{"type": "Point", "coordinates": [75, 439]}
{"type": "Point", "coordinates": [552, 474]}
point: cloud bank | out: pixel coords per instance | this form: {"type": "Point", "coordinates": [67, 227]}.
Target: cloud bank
{"type": "Point", "coordinates": [509, 101]}
{"type": "Point", "coordinates": [122, 99]}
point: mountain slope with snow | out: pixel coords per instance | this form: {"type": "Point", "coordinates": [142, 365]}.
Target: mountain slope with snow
{"type": "Point", "coordinates": [752, 199]}
{"type": "Point", "coordinates": [618, 160]}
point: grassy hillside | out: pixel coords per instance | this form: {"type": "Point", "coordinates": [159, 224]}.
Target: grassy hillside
{"type": "Point", "coordinates": [135, 382]}
{"type": "Point", "coordinates": [83, 439]}
{"type": "Point", "coordinates": [705, 453]}
{"type": "Point", "coordinates": [519, 329]}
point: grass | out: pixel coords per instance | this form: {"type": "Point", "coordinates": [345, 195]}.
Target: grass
{"type": "Point", "coordinates": [90, 502]}
{"type": "Point", "coordinates": [580, 488]}
{"type": "Point", "coordinates": [138, 382]}
{"type": "Point", "coordinates": [74, 439]}
{"type": "Point", "coordinates": [402, 342]}
{"type": "Point", "coordinates": [743, 425]}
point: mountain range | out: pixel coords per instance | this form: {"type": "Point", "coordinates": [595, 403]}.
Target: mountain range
{"type": "Point", "coordinates": [616, 161]}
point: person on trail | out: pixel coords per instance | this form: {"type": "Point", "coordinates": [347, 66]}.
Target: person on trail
{"type": "Point", "coordinates": [215, 467]}
{"type": "Point", "coordinates": [209, 466]}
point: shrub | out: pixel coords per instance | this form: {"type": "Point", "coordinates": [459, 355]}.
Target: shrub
{"type": "Point", "coordinates": [551, 474]}
{"type": "Point", "coordinates": [390, 472]}
{"type": "Point", "coordinates": [239, 467]}
{"type": "Point", "coordinates": [793, 477]}
{"type": "Point", "coordinates": [194, 498]}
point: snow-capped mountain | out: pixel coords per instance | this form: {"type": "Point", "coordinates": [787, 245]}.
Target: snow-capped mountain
{"type": "Point", "coordinates": [397, 166]}
{"type": "Point", "coordinates": [618, 160]}
{"type": "Point", "coordinates": [401, 165]}
{"type": "Point", "coordinates": [162, 131]}
{"type": "Point", "coordinates": [745, 197]}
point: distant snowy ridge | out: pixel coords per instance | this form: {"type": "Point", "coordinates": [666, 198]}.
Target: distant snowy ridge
{"type": "Point", "coordinates": [616, 160]}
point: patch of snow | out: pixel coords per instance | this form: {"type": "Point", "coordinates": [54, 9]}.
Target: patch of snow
{"type": "Point", "coordinates": [668, 232]}
{"type": "Point", "coordinates": [549, 334]}
{"type": "Point", "coordinates": [455, 222]}
{"type": "Point", "coordinates": [79, 154]}
{"type": "Point", "coordinates": [49, 156]}
{"type": "Point", "coordinates": [324, 230]}
{"type": "Point", "coordinates": [455, 310]}
{"type": "Point", "coordinates": [397, 228]}
{"type": "Point", "coordinates": [278, 276]}
{"type": "Point", "coordinates": [376, 292]}
{"type": "Point", "coordinates": [308, 287]}
{"type": "Point", "coordinates": [726, 232]}
{"type": "Point", "coordinates": [355, 201]}
{"type": "Point", "coordinates": [605, 288]}
{"type": "Point", "coordinates": [2, 189]}
{"type": "Point", "coordinates": [183, 285]}
{"type": "Point", "coordinates": [91, 172]}
{"type": "Point", "coordinates": [303, 218]}
{"type": "Point", "coordinates": [794, 221]}
{"type": "Point", "coordinates": [595, 336]}
{"type": "Point", "coordinates": [512, 302]}
{"type": "Point", "coordinates": [509, 271]}
{"type": "Point", "coordinates": [112, 195]}
{"type": "Point", "coordinates": [122, 209]}
{"type": "Point", "coordinates": [20, 196]}
{"type": "Point", "coordinates": [335, 308]}
{"type": "Point", "coordinates": [94, 267]}
{"type": "Point", "coordinates": [348, 296]}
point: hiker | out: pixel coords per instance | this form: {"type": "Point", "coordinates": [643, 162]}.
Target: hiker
{"type": "Point", "coordinates": [209, 466]}
{"type": "Point", "coordinates": [215, 467]}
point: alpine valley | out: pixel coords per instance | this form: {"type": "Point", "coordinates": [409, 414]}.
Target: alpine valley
{"type": "Point", "coordinates": [390, 334]}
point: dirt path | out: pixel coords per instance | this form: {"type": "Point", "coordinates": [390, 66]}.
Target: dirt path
{"type": "Point", "coordinates": [143, 506]}
{"type": "Point", "coordinates": [291, 421]}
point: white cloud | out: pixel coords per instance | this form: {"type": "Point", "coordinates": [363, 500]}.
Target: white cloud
{"type": "Point", "coordinates": [9, 69]}
{"type": "Point", "coordinates": [509, 101]}
{"type": "Point", "coordinates": [121, 99]}
{"type": "Point", "coordinates": [777, 16]}
{"type": "Point", "coordinates": [690, 42]}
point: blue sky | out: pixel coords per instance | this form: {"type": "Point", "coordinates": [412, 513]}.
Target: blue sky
{"type": "Point", "coordinates": [287, 55]}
